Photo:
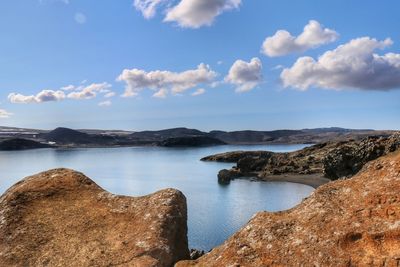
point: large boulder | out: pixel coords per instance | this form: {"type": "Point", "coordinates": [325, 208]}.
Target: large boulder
{"type": "Point", "coordinates": [62, 218]}
{"type": "Point", "coordinates": [354, 222]}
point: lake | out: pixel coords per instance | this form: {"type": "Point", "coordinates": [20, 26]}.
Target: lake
{"type": "Point", "coordinates": [214, 211]}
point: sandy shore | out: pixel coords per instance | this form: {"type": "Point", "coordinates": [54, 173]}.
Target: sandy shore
{"type": "Point", "coordinates": [314, 180]}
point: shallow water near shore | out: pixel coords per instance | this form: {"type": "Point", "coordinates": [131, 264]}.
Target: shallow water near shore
{"type": "Point", "coordinates": [214, 211]}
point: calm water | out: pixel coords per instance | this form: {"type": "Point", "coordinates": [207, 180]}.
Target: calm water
{"type": "Point", "coordinates": [215, 212]}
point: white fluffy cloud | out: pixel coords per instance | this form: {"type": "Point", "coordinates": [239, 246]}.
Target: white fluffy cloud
{"type": "Point", "coordinates": [352, 65]}
{"type": "Point", "coordinates": [187, 13]}
{"type": "Point", "coordinates": [90, 91]}
{"type": "Point", "coordinates": [177, 82]}
{"type": "Point", "coordinates": [245, 75]}
{"type": "Point", "coordinates": [42, 96]}
{"type": "Point", "coordinates": [78, 92]}
{"type": "Point", "coordinates": [148, 8]}
{"type": "Point", "coordinates": [283, 43]}
{"type": "Point", "coordinates": [4, 114]}
{"type": "Point", "coordinates": [197, 13]}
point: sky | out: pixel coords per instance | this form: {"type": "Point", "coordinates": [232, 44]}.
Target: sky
{"type": "Point", "coordinates": [205, 64]}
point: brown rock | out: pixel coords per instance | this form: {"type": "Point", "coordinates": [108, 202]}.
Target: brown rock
{"type": "Point", "coordinates": [354, 222]}
{"type": "Point", "coordinates": [62, 218]}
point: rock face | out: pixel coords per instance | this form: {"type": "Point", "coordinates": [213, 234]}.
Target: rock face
{"type": "Point", "coordinates": [62, 218]}
{"type": "Point", "coordinates": [347, 159]}
{"type": "Point", "coordinates": [354, 222]}
{"type": "Point", "coordinates": [332, 160]}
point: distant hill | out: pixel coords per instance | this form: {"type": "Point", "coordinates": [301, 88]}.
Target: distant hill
{"type": "Point", "coordinates": [21, 144]}
{"type": "Point", "coordinates": [94, 138]}
{"type": "Point", "coordinates": [191, 141]}
{"type": "Point", "coordinates": [66, 135]}
{"type": "Point", "coordinates": [63, 135]}
{"type": "Point", "coordinates": [167, 133]}
{"type": "Point", "coordinates": [248, 136]}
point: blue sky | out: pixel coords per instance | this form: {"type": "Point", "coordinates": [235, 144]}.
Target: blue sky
{"type": "Point", "coordinates": [78, 49]}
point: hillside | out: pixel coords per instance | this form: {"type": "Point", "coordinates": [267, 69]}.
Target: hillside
{"type": "Point", "coordinates": [21, 144]}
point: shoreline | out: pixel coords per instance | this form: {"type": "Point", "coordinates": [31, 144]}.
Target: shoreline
{"type": "Point", "coordinates": [313, 180]}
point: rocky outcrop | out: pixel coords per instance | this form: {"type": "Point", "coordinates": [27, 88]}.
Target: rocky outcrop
{"type": "Point", "coordinates": [331, 160]}
{"type": "Point", "coordinates": [235, 156]}
{"type": "Point", "coordinates": [353, 222]}
{"type": "Point", "coordinates": [348, 159]}
{"type": "Point", "coordinates": [225, 176]}
{"type": "Point", "coordinates": [62, 218]}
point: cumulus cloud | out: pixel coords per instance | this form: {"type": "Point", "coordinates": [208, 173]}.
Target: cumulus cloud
{"type": "Point", "coordinates": [42, 96]}
{"type": "Point", "coordinates": [90, 91]}
{"type": "Point", "coordinates": [4, 114]}
{"type": "Point", "coordinates": [78, 92]}
{"type": "Point", "coordinates": [199, 91]}
{"type": "Point", "coordinates": [198, 13]}
{"type": "Point", "coordinates": [283, 43]}
{"type": "Point", "coordinates": [177, 82]}
{"type": "Point", "coordinates": [80, 18]}
{"type": "Point", "coordinates": [245, 75]}
{"type": "Point", "coordinates": [148, 8]}
{"type": "Point", "coordinates": [106, 103]}
{"type": "Point", "coordinates": [352, 65]}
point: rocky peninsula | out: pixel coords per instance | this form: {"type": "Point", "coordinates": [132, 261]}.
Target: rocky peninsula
{"type": "Point", "coordinates": [314, 165]}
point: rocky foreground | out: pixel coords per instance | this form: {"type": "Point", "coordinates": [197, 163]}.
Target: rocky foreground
{"type": "Point", "coordinates": [332, 160]}
{"type": "Point", "coordinates": [62, 218]}
{"type": "Point", "coordinates": [354, 222]}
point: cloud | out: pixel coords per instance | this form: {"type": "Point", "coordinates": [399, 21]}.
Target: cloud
{"type": "Point", "coordinates": [199, 91]}
{"type": "Point", "coordinates": [4, 114]}
{"type": "Point", "coordinates": [90, 91]}
{"type": "Point", "coordinates": [68, 87]}
{"type": "Point", "coordinates": [352, 65]}
{"type": "Point", "coordinates": [278, 67]}
{"type": "Point", "coordinates": [42, 96]}
{"type": "Point", "coordinates": [283, 43]}
{"type": "Point", "coordinates": [78, 92]}
{"type": "Point", "coordinates": [245, 75]}
{"type": "Point", "coordinates": [177, 82]}
{"type": "Point", "coordinates": [148, 8]}
{"type": "Point", "coordinates": [109, 94]}
{"type": "Point", "coordinates": [80, 18]}
{"type": "Point", "coordinates": [198, 13]}
{"type": "Point", "coordinates": [106, 103]}
{"type": "Point", "coordinates": [162, 93]}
